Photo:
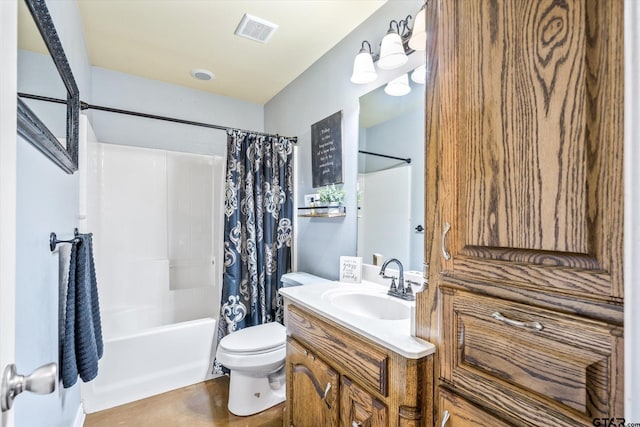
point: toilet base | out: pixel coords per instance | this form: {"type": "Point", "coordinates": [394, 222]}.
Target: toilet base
{"type": "Point", "coordinates": [249, 395]}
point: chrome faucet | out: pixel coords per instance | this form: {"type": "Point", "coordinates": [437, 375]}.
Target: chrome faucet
{"type": "Point", "coordinates": [400, 290]}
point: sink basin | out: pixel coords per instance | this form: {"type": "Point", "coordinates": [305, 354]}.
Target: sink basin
{"type": "Point", "coordinates": [373, 306]}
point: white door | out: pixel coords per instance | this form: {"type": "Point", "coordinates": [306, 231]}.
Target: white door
{"type": "Point", "coordinates": [8, 137]}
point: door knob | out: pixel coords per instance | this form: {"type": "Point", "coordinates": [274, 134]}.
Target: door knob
{"type": "Point", "coordinates": [41, 381]}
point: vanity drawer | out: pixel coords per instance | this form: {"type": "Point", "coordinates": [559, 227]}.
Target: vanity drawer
{"type": "Point", "coordinates": [354, 356]}
{"type": "Point", "coordinates": [530, 360]}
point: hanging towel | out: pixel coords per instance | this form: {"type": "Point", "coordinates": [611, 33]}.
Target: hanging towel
{"type": "Point", "coordinates": [82, 345]}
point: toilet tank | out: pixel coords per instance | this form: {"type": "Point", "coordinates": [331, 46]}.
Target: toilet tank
{"type": "Point", "coordinates": [299, 278]}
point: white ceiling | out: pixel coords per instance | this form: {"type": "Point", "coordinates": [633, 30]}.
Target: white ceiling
{"type": "Point", "coordinates": [165, 39]}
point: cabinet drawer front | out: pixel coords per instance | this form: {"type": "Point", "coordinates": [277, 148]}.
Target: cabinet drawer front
{"type": "Point", "coordinates": [534, 355]}
{"type": "Point", "coordinates": [457, 412]}
{"type": "Point", "coordinates": [353, 355]}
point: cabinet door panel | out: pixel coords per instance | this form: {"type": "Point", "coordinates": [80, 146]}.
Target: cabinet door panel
{"type": "Point", "coordinates": [313, 388]}
{"type": "Point", "coordinates": [457, 412]}
{"type": "Point", "coordinates": [533, 90]}
{"type": "Point", "coordinates": [359, 408]}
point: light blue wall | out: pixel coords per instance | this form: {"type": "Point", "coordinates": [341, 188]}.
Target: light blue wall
{"type": "Point", "coordinates": [320, 91]}
{"type": "Point", "coordinates": [47, 200]}
{"type": "Point", "coordinates": [128, 92]}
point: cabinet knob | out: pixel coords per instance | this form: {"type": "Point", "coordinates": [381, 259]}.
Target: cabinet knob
{"type": "Point", "coordinates": [445, 418]}
{"type": "Point", "coordinates": [326, 394]}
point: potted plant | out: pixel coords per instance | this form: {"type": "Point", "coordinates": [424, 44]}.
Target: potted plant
{"type": "Point", "coordinates": [331, 196]}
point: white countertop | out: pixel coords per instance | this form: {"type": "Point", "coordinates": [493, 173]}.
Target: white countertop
{"type": "Point", "coordinates": [394, 335]}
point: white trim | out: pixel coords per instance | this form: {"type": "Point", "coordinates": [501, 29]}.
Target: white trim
{"type": "Point", "coordinates": [78, 421]}
{"type": "Point", "coordinates": [8, 139]}
{"type": "Point", "coordinates": [632, 212]}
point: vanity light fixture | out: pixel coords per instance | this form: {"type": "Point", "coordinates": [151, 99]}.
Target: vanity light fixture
{"type": "Point", "coordinates": [419, 75]}
{"type": "Point", "coordinates": [392, 54]}
{"type": "Point", "coordinates": [398, 86]}
{"type": "Point", "coordinates": [418, 40]}
{"type": "Point", "coordinates": [363, 69]}
{"type": "Point", "coordinates": [399, 42]}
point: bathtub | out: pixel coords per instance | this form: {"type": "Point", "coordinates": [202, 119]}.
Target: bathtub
{"type": "Point", "coordinates": [149, 362]}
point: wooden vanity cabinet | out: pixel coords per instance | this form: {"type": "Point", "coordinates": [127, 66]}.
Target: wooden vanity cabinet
{"type": "Point", "coordinates": [524, 200]}
{"type": "Point", "coordinates": [338, 378]}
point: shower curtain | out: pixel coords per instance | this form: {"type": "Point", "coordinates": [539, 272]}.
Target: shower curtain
{"type": "Point", "coordinates": [257, 230]}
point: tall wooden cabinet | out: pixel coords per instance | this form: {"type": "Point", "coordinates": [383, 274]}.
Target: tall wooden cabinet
{"type": "Point", "coordinates": [525, 209]}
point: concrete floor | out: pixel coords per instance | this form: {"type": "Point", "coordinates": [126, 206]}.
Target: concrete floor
{"type": "Point", "coordinates": [198, 405]}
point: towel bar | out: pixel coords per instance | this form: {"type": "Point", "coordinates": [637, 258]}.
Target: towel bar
{"type": "Point", "coordinates": [53, 240]}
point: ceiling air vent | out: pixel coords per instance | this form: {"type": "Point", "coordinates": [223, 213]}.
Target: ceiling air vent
{"type": "Point", "coordinates": [255, 28]}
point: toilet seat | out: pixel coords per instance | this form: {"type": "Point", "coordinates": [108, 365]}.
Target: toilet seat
{"type": "Point", "coordinates": [253, 340]}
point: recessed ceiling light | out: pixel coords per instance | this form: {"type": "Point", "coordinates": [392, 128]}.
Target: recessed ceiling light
{"type": "Point", "coordinates": [255, 28]}
{"type": "Point", "coordinates": [201, 74]}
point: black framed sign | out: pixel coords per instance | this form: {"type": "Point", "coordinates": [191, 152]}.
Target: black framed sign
{"type": "Point", "coordinates": [326, 150]}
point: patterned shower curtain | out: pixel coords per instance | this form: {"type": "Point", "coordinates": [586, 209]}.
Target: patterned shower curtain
{"type": "Point", "coordinates": [257, 230]}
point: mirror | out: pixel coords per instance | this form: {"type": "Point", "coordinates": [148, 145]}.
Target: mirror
{"type": "Point", "coordinates": [391, 177]}
{"type": "Point", "coordinates": [48, 98]}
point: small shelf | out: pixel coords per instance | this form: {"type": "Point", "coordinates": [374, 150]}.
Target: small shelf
{"type": "Point", "coordinates": [322, 211]}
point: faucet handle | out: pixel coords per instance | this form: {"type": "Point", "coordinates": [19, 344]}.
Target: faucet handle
{"type": "Point", "coordinates": [393, 286]}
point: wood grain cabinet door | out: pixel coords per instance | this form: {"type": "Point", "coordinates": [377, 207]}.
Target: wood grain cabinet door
{"type": "Point", "coordinates": [528, 124]}
{"type": "Point", "coordinates": [457, 412]}
{"type": "Point", "coordinates": [312, 389]}
{"type": "Point", "coordinates": [525, 168]}
{"type": "Point", "coordinates": [359, 408]}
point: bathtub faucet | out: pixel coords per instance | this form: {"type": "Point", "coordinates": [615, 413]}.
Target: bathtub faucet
{"type": "Point", "coordinates": [399, 291]}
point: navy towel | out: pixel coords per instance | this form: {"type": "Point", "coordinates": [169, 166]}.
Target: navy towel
{"type": "Point", "coordinates": [82, 345]}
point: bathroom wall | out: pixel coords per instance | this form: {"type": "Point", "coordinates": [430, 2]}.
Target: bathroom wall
{"type": "Point", "coordinates": [129, 92]}
{"type": "Point", "coordinates": [320, 91]}
{"type": "Point", "coordinates": [47, 200]}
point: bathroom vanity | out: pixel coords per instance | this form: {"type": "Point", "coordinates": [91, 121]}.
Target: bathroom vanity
{"type": "Point", "coordinates": [357, 367]}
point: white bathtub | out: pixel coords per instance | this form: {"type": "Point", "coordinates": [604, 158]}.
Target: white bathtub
{"type": "Point", "coordinates": [150, 362]}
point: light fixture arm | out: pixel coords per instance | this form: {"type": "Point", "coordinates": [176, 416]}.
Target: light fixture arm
{"type": "Point", "coordinates": [404, 23]}
{"type": "Point", "coordinates": [397, 31]}
{"type": "Point", "coordinates": [362, 49]}
{"type": "Point", "coordinates": [369, 50]}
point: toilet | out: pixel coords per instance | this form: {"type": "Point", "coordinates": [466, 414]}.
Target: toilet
{"type": "Point", "coordinates": [255, 356]}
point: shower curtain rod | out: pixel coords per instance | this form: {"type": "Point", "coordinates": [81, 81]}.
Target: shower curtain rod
{"type": "Point", "coordinates": [408, 160]}
{"type": "Point", "coordinates": [86, 106]}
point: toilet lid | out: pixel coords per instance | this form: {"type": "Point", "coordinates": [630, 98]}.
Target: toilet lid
{"type": "Point", "coordinates": [255, 339]}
